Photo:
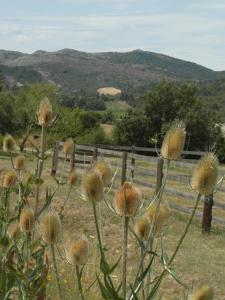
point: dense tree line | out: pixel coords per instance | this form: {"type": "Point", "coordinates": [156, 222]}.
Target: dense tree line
{"type": "Point", "coordinates": [159, 107]}
{"type": "Point", "coordinates": [18, 114]}
{"type": "Point", "coordinates": [85, 102]}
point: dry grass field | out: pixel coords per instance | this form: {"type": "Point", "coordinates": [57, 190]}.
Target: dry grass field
{"type": "Point", "coordinates": [200, 260]}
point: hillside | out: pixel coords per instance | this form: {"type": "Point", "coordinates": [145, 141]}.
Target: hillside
{"type": "Point", "coordinates": [75, 71]}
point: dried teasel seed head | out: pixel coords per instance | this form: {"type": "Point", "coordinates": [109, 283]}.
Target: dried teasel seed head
{"type": "Point", "coordinates": [68, 146]}
{"type": "Point", "coordinates": [204, 293]}
{"type": "Point", "coordinates": [27, 219]}
{"type": "Point", "coordinates": [104, 168]}
{"type": "Point", "coordinates": [72, 178]}
{"type": "Point", "coordinates": [92, 186]}
{"type": "Point", "coordinates": [9, 143]}
{"type": "Point", "coordinates": [205, 174]}
{"type": "Point", "coordinates": [174, 141]}
{"type": "Point", "coordinates": [77, 252]}
{"type": "Point", "coordinates": [159, 216]}
{"type": "Point", "coordinates": [14, 231]}
{"type": "Point", "coordinates": [9, 179]}
{"type": "Point", "coordinates": [127, 200]}
{"type": "Point", "coordinates": [51, 228]}
{"type": "Point", "coordinates": [45, 112]}
{"type": "Point", "coordinates": [142, 228]}
{"type": "Point", "coordinates": [19, 162]}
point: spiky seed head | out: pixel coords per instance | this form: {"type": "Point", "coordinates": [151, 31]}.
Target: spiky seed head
{"type": "Point", "coordinates": [45, 112]}
{"type": "Point", "coordinates": [205, 174]}
{"type": "Point", "coordinates": [9, 143]}
{"type": "Point", "coordinates": [174, 141]}
{"type": "Point", "coordinates": [14, 231]}
{"type": "Point", "coordinates": [142, 228]}
{"type": "Point", "coordinates": [72, 178]}
{"type": "Point", "coordinates": [104, 168]}
{"type": "Point", "coordinates": [78, 252]}
{"type": "Point", "coordinates": [27, 219]}
{"type": "Point", "coordinates": [159, 216]}
{"type": "Point", "coordinates": [19, 162]}
{"type": "Point", "coordinates": [127, 200]}
{"type": "Point", "coordinates": [9, 179]}
{"type": "Point", "coordinates": [51, 228]}
{"type": "Point", "coordinates": [68, 146]}
{"type": "Point", "coordinates": [204, 293]}
{"type": "Point", "coordinates": [92, 186]}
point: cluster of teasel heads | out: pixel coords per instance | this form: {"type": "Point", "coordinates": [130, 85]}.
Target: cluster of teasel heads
{"type": "Point", "coordinates": [128, 201]}
{"type": "Point", "coordinates": [25, 226]}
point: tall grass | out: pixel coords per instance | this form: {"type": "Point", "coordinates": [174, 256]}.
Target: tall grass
{"type": "Point", "coordinates": [30, 230]}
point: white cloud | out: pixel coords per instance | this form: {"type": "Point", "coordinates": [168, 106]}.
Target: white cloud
{"type": "Point", "coordinates": [196, 37]}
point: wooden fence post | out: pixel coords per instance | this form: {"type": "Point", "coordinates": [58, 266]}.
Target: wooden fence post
{"type": "Point", "coordinates": [55, 159]}
{"type": "Point", "coordinates": [159, 174]}
{"type": "Point", "coordinates": [207, 214]}
{"type": "Point", "coordinates": [124, 168]}
{"type": "Point", "coordinates": [132, 167]}
{"type": "Point", "coordinates": [72, 159]}
{"type": "Point", "coordinates": [95, 154]}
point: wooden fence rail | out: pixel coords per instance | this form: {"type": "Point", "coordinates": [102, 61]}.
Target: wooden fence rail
{"type": "Point", "coordinates": [125, 159]}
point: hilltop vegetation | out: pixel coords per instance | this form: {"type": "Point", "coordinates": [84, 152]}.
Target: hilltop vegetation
{"type": "Point", "coordinates": [75, 71]}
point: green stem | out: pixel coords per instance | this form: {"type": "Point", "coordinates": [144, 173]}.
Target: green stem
{"type": "Point", "coordinates": [64, 203]}
{"type": "Point", "coordinates": [56, 271]}
{"type": "Point", "coordinates": [150, 271]}
{"type": "Point", "coordinates": [158, 197]}
{"type": "Point", "coordinates": [125, 239]}
{"type": "Point", "coordinates": [100, 222]}
{"type": "Point", "coordinates": [157, 284]}
{"type": "Point", "coordinates": [98, 232]}
{"type": "Point", "coordinates": [79, 282]}
{"type": "Point", "coordinates": [39, 168]}
{"type": "Point", "coordinates": [27, 263]}
{"type": "Point", "coordinates": [142, 271]}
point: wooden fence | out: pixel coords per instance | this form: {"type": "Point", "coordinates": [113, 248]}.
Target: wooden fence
{"type": "Point", "coordinates": [147, 172]}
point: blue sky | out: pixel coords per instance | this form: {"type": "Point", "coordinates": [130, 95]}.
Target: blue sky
{"type": "Point", "coordinates": [193, 30]}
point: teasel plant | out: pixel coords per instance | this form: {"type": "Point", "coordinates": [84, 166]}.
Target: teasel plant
{"type": "Point", "coordinates": [68, 147]}
{"type": "Point", "coordinates": [23, 267]}
{"type": "Point", "coordinates": [51, 230]}
{"type": "Point", "coordinates": [71, 181]}
{"type": "Point", "coordinates": [127, 202]}
{"type": "Point", "coordinates": [77, 253]}
{"type": "Point", "coordinates": [103, 168]}
{"type": "Point", "coordinates": [204, 181]}
{"type": "Point", "coordinates": [93, 191]}
{"type": "Point", "coordinates": [157, 212]}
{"type": "Point", "coordinates": [21, 258]}
{"type": "Point", "coordinates": [44, 119]}
{"type": "Point", "coordinates": [203, 293]}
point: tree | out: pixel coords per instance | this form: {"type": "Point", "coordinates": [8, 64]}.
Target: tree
{"type": "Point", "coordinates": [159, 108]}
{"type": "Point", "coordinates": [132, 129]}
{"type": "Point", "coordinates": [7, 115]}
